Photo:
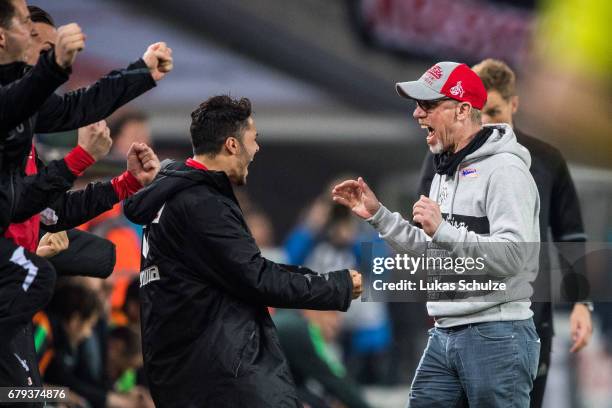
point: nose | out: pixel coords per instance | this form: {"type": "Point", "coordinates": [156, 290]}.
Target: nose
{"type": "Point", "coordinates": [419, 112]}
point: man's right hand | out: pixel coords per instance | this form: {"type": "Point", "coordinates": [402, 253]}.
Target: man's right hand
{"type": "Point", "coordinates": [357, 288]}
{"type": "Point", "coordinates": [52, 244]}
{"type": "Point", "coordinates": [95, 139]}
{"type": "Point", "coordinates": [356, 195]}
{"type": "Point", "coordinates": [70, 41]}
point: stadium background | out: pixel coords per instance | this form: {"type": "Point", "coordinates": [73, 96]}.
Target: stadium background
{"type": "Point", "coordinates": [320, 75]}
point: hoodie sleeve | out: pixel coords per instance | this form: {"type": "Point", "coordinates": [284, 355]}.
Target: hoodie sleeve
{"type": "Point", "coordinates": [96, 102]}
{"type": "Point", "coordinates": [73, 208]}
{"type": "Point", "coordinates": [87, 255]}
{"type": "Point", "coordinates": [240, 269]}
{"type": "Point", "coordinates": [399, 233]}
{"type": "Point", "coordinates": [142, 207]}
{"type": "Point", "coordinates": [512, 207]}
{"type": "Point", "coordinates": [22, 98]}
{"type": "Point", "coordinates": [33, 193]}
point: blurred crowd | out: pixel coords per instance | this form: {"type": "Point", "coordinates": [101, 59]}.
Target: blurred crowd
{"type": "Point", "coordinates": [88, 337]}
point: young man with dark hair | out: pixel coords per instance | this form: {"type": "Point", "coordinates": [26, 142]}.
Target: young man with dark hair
{"type": "Point", "coordinates": [208, 338]}
{"type": "Point", "coordinates": [559, 211]}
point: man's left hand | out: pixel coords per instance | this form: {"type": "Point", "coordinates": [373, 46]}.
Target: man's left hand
{"type": "Point", "coordinates": [427, 213]}
{"type": "Point", "coordinates": [581, 327]}
{"type": "Point", "coordinates": [142, 163]}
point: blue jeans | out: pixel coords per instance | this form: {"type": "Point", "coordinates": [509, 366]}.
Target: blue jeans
{"type": "Point", "coordinates": [490, 364]}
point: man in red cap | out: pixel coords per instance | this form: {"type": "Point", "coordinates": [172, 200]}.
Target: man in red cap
{"type": "Point", "coordinates": [482, 209]}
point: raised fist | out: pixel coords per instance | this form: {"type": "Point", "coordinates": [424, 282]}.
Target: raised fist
{"type": "Point", "coordinates": [142, 163]}
{"type": "Point", "coordinates": [70, 41]}
{"type": "Point", "coordinates": [95, 139]}
{"type": "Point", "coordinates": [158, 58]}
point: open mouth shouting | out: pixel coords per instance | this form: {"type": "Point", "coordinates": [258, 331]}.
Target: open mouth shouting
{"type": "Point", "coordinates": [430, 132]}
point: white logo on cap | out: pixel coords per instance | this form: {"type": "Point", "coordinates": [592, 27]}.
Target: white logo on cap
{"type": "Point", "coordinates": [457, 90]}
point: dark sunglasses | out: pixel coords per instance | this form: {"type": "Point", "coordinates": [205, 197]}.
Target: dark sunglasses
{"type": "Point", "coordinates": [431, 105]}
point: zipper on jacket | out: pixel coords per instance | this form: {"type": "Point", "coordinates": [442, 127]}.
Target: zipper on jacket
{"type": "Point", "coordinates": [12, 196]}
{"type": "Point", "coordinates": [242, 354]}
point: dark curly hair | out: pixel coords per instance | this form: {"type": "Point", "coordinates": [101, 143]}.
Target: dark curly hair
{"type": "Point", "coordinates": [216, 119]}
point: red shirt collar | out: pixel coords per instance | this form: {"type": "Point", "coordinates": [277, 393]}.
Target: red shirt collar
{"type": "Point", "coordinates": [195, 164]}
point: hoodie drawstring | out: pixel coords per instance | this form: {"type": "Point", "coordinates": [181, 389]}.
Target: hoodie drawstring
{"type": "Point", "coordinates": [452, 203]}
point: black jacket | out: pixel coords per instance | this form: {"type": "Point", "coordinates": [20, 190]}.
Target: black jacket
{"type": "Point", "coordinates": [208, 339]}
{"type": "Point", "coordinates": [559, 213]}
{"type": "Point", "coordinates": [87, 255]}
{"type": "Point", "coordinates": [28, 105]}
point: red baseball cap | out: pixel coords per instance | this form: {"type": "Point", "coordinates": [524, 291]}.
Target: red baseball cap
{"type": "Point", "coordinates": [446, 79]}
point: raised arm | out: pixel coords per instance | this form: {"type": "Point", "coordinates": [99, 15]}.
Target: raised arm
{"type": "Point", "coordinates": [245, 273]}
{"type": "Point", "coordinates": [96, 102]}
{"type": "Point", "coordinates": [22, 98]}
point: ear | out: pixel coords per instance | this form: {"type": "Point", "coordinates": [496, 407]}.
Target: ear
{"type": "Point", "coordinates": [231, 144]}
{"type": "Point", "coordinates": [515, 103]}
{"type": "Point", "coordinates": [464, 110]}
{"type": "Point", "coordinates": [2, 38]}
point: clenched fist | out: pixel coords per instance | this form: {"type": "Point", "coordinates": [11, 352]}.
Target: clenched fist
{"type": "Point", "coordinates": [427, 213]}
{"type": "Point", "coordinates": [52, 244]}
{"type": "Point", "coordinates": [142, 163]}
{"type": "Point", "coordinates": [95, 139]}
{"type": "Point", "coordinates": [158, 58]}
{"type": "Point", "coordinates": [357, 288]}
{"type": "Point", "coordinates": [70, 41]}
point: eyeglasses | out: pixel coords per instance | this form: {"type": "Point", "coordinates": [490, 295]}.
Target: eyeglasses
{"type": "Point", "coordinates": [428, 106]}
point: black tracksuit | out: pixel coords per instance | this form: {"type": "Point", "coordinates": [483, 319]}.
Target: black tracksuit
{"type": "Point", "coordinates": [42, 111]}
{"type": "Point", "coordinates": [559, 211]}
{"type": "Point", "coordinates": [28, 105]}
{"type": "Point", "coordinates": [208, 339]}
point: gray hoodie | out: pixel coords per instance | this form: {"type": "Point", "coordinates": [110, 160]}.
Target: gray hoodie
{"type": "Point", "coordinates": [490, 209]}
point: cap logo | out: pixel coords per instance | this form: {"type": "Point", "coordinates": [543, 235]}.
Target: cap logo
{"type": "Point", "coordinates": [435, 72]}
{"type": "Point", "coordinates": [432, 74]}
{"type": "Point", "coordinates": [457, 90]}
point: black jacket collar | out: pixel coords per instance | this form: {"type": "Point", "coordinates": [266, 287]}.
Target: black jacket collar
{"type": "Point", "coordinates": [13, 71]}
{"type": "Point", "coordinates": [173, 178]}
